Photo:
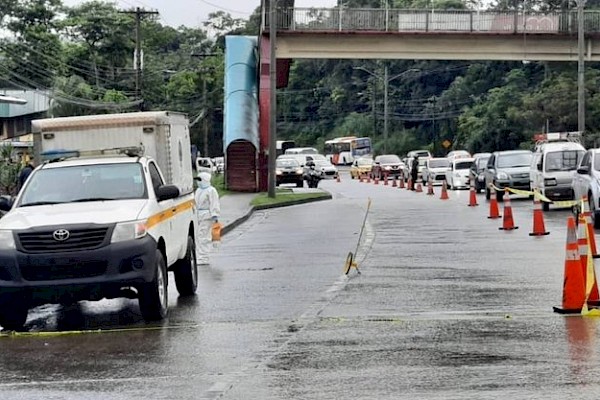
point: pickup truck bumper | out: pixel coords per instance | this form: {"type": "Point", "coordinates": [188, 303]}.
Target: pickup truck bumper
{"type": "Point", "coordinates": [93, 274]}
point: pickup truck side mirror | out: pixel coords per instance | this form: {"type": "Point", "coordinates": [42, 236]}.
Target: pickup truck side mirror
{"type": "Point", "coordinates": [583, 170]}
{"type": "Point", "coordinates": [5, 203]}
{"type": "Point", "coordinates": [166, 192]}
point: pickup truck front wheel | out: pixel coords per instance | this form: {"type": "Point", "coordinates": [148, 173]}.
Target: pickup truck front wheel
{"type": "Point", "coordinates": [154, 295]}
{"type": "Point", "coordinates": [13, 312]}
{"type": "Point", "coordinates": [186, 271]}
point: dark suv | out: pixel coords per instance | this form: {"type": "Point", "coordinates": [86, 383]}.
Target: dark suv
{"type": "Point", "coordinates": [507, 169]}
{"type": "Point", "coordinates": [386, 164]}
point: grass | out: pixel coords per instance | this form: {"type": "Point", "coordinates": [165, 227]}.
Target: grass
{"type": "Point", "coordinates": [283, 196]}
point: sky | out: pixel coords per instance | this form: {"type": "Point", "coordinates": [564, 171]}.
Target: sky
{"type": "Point", "coordinates": [193, 13]}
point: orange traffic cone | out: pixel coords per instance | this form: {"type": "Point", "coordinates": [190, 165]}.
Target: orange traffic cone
{"type": "Point", "coordinates": [394, 183]}
{"type": "Point", "coordinates": [419, 188]}
{"type": "Point", "coordinates": [588, 219]}
{"type": "Point", "coordinates": [362, 178]}
{"type": "Point", "coordinates": [385, 179]}
{"type": "Point", "coordinates": [430, 187]}
{"type": "Point", "coordinates": [582, 243]}
{"type": "Point", "coordinates": [444, 195]}
{"type": "Point", "coordinates": [507, 223]}
{"type": "Point", "coordinates": [538, 218]}
{"type": "Point", "coordinates": [338, 178]}
{"type": "Point", "coordinates": [368, 178]}
{"type": "Point", "coordinates": [401, 185]}
{"type": "Point", "coordinates": [472, 196]}
{"type": "Point", "coordinates": [494, 212]}
{"type": "Point", "coordinates": [573, 285]}
{"type": "Point", "coordinates": [409, 184]}
{"type": "Point", "coordinates": [376, 180]}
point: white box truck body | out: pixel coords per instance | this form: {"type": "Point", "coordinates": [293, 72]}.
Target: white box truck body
{"type": "Point", "coordinates": [107, 213]}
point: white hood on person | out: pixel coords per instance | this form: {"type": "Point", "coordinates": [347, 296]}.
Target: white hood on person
{"type": "Point", "coordinates": [205, 178]}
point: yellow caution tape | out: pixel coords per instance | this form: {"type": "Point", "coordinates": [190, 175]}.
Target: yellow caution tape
{"type": "Point", "coordinates": [537, 195]}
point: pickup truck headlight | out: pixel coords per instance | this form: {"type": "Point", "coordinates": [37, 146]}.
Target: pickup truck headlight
{"type": "Point", "coordinates": [129, 231]}
{"type": "Point", "coordinates": [502, 175]}
{"type": "Point", "coordinates": [7, 240]}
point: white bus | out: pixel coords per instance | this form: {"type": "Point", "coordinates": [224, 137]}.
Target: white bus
{"type": "Point", "coordinates": [344, 150]}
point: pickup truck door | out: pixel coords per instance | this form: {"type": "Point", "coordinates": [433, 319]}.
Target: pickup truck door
{"type": "Point", "coordinates": [167, 227]}
{"type": "Point", "coordinates": [581, 182]}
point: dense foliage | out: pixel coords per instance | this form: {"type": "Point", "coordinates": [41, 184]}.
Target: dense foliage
{"type": "Point", "coordinates": [83, 56]}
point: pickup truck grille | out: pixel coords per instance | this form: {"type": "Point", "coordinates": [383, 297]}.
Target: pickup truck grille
{"type": "Point", "coordinates": [79, 239]}
{"type": "Point", "coordinates": [67, 269]}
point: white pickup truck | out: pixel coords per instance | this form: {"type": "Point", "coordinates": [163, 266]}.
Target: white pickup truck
{"type": "Point", "coordinates": [108, 211]}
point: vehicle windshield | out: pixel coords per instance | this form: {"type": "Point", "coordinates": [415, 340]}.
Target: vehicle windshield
{"type": "Point", "coordinates": [482, 162]}
{"type": "Point", "coordinates": [364, 161]}
{"type": "Point", "coordinates": [442, 163]}
{"type": "Point", "coordinates": [514, 160]}
{"type": "Point", "coordinates": [287, 163]}
{"type": "Point", "coordinates": [463, 165]}
{"type": "Point", "coordinates": [322, 163]}
{"type": "Point", "coordinates": [84, 183]}
{"type": "Point", "coordinates": [391, 159]}
{"type": "Point", "coordinates": [566, 160]}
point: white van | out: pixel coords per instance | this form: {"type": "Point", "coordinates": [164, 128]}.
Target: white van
{"type": "Point", "coordinates": [553, 166]}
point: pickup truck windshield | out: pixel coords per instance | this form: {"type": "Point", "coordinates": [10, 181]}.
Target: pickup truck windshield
{"type": "Point", "coordinates": [84, 183]}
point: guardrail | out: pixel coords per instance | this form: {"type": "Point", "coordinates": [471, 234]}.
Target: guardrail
{"type": "Point", "coordinates": [431, 20]}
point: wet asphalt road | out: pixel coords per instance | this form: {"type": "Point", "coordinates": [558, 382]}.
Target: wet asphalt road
{"type": "Point", "coordinates": [447, 307]}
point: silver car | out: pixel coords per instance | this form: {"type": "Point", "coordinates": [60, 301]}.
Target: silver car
{"type": "Point", "coordinates": [509, 168]}
{"type": "Point", "coordinates": [586, 182]}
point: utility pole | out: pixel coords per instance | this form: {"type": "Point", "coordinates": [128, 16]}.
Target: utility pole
{"type": "Point", "coordinates": [205, 102]}
{"type": "Point", "coordinates": [386, 84]}
{"type": "Point", "coordinates": [272, 97]}
{"type": "Point", "coordinates": [139, 13]}
{"type": "Point", "coordinates": [580, 68]}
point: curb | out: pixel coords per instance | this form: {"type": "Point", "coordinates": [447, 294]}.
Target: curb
{"type": "Point", "coordinates": [229, 227]}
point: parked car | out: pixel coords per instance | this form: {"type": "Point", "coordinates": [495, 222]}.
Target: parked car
{"type": "Point", "coordinates": [509, 168]}
{"type": "Point", "coordinates": [325, 169]}
{"type": "Point", "coordinates": [419, 154]}
{"type": "Point", "coordinates": [477, 168]}
{"type": "Point", "coordinates": [388, 165]}
{"type": "Point", "coordinates": [205, 164]}
{"type": "Point", "coordinates": [458, 154]}
{"type": "Point", "coordinates": [422, 161]}
{"type": "Point", "coordinates": [435, 169]}
{"type": "Point", "coordinates": [457, 175]}
{"type": "Point", "coordinates": [288, 170]}
{"type": "Point", "coordinates": [361, 166]}
{"type": "Point", "coordinates": [219, 164]}
{"type": "Point", "coordinates": [586, 182]}
{"type": "Point", "coordinates": [553, 167]}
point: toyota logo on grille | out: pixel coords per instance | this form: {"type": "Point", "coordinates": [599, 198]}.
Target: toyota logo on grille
{"type": "Point", "coordinates": [60, 235]}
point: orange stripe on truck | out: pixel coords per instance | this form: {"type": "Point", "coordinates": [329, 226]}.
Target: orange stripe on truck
{"type": "Point", "coordinates": [171, 212]}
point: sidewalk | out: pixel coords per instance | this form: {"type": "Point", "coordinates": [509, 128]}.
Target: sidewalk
{"type": "Point", "coordinates": [235, 209]}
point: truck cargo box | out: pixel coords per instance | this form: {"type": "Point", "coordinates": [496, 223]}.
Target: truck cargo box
{"type": "Point", "coordinates": [163, 135]}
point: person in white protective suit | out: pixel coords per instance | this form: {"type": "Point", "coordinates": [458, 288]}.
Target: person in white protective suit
{"type": "Point", "coordinates": [208, 210]}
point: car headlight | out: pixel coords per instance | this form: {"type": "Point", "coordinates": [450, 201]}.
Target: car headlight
{"type": "Point", "coordinates": [299, 171]}
{"type": "Point", "coordinates": [502, 175]}
{"type": "Point", "coordinates": [550, 182]}
{"type": "Point", "coordinates": [387, 168]}
{"type": "Point", "coordinates": [278, 172]}
{"type": "Point", "coordinates": [129, 231]}
{"type": "Point", "coordinates": [7, 240]}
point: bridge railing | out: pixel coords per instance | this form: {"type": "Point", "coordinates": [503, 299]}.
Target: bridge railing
{"type": "Point", "coordinates": [400, 20]}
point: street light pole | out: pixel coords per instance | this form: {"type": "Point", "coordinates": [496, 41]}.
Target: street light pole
{"type": "Point", "coordinates": [272, 98]}
{"type": "Point", "coordinates": [386, 82]}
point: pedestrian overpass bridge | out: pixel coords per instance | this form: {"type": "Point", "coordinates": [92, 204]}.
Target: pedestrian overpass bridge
{"type": "Point", "coordinates": [433, 34]}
